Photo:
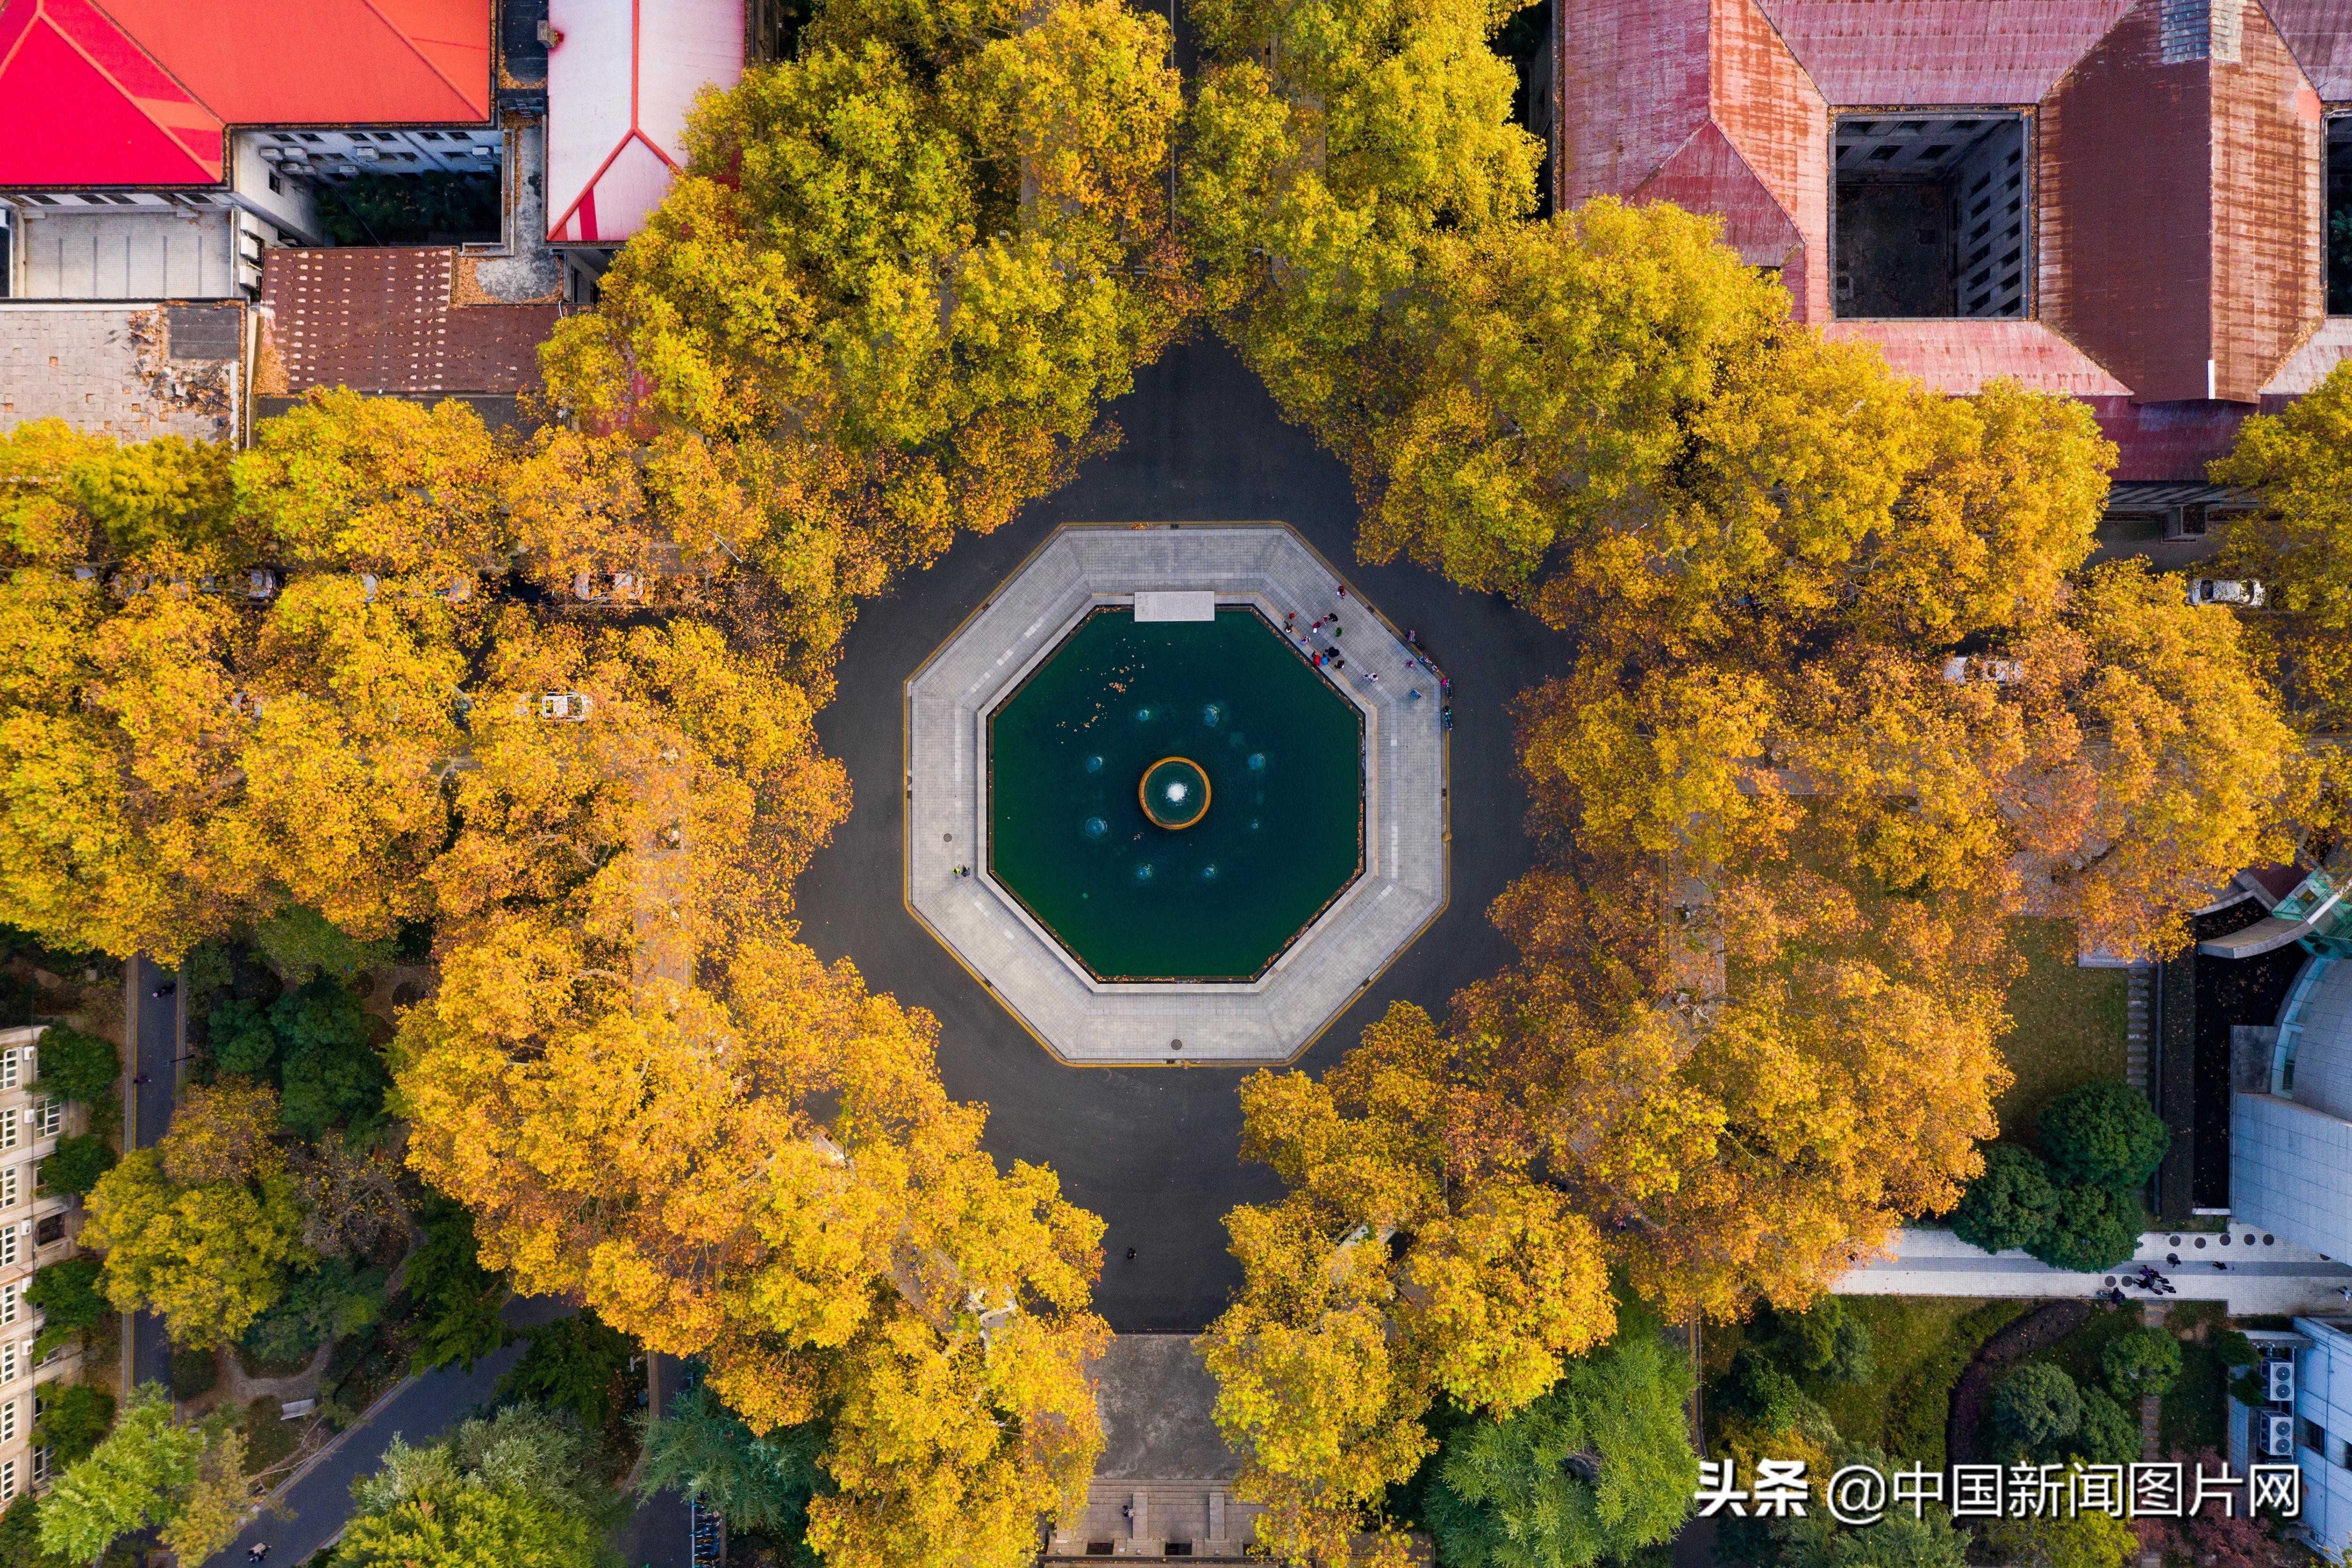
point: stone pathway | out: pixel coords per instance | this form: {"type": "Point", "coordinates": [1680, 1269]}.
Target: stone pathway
{"type": "Point", "coordinates": [2138, 1002]}
{"type": "Point", "coordinates": [2258, 1278]}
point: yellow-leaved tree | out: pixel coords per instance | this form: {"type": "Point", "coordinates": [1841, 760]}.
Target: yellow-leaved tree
{"type": "Point", "coordinates": [1417, 1254]}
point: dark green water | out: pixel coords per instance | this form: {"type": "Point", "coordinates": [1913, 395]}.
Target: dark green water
{"type": "Point", "coordinates": [1217, 900]}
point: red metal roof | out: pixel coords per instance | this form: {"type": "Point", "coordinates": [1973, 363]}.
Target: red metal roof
{"type": "Point", "coordinates": [77, 95]}
{"type": "Point", "coordinates": [619, 82]}
{"type": "Point", "coordinates": [1940, 52]}
{"type": "Point", "coordinates": [77, 78]}
{"type": "Point", "coordinates": [380, 319]}
{"type": "Point", "coordinates": [2166, 441]}
{"type": "Point", "coordinates": [1695, 102]}
{"type": "Point", "coordinates": [2309, 364]}
{"type": "Point", "coordinates": [2320, 33]}
{"type": "Point", "coordinates": [1959, 357]}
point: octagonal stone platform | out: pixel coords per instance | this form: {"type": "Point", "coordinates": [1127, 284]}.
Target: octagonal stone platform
{"type": "Point", "coordinates": [1086, 1021]}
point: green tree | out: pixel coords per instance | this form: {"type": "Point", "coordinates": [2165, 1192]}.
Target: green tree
{"type": "Point", "coordinates": [1760, 1392]}
{"type": "Point", "coordinates": [77, 1066]}
{"type": "Point", "coordinates": [1825, 1341]}
{"type": "Point", "coordinates": [2145, 1361]}
{"type": "Point", "coordinates": [301, 944]}
{"type": "Point", "coordinates": [74, 1417]}
{"type": "Point", "coordinates": [2105, 1133]}
{"type": "Point", "coordinates": [2092, 1228]}
{"type": "Point", "coordinates": [210, 1258]}
{"type": "Point", "coordinates": [137, 1479]}
{"type": "Point", "coordinates": [457, 1299]}
{"type": "Point", "coordinates": [20, 1536]}
{"type": "Point", "coordinates": [328, 1066]}
{"type": "Point", "coordinates": [522, 1487]}
{"type": "Point", "coordinates": [321, 1306]}
{"type": "Point", "coordinates": [2109, 1433]}
{"type": "Point", "coordinates": [703, 1450]}
{"type": "Point", "coordinates": [571, 1365]}
{"type": "Point", "coordinates": [2038, 1407]}
{"type": "Point", "coordinates": [2085, 1539]}
{"type": "Point", "coordinates": [67, 1294]}
{"type": "Point", "coordinates": [1597, 1469]}
{"type": "Point", "coordinates": [2011, 1204]}
{"type": "Point", "coordinates": [75, 1165]}
{"type": "Point", "coordinates": [467, 1526]}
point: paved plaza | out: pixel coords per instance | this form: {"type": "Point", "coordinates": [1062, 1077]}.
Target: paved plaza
{"type": "Point", "coordinates": [1085, 1021]}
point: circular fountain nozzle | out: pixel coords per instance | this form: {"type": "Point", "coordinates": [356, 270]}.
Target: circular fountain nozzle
{"type": "Point", "coordinates": [1174, 793]}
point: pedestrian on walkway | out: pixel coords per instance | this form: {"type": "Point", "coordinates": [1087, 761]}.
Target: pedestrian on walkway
{"type": "Point", "coordinates": [140, 1078]}
{"type": "Point", "coordinates": [1413, 696]}
{"type": "Point", "coordinates": [1288, 616]}
{"type": "Point", "coordinates": [1343, 590]}
{"type": "Point", "coordinates": [1336, 627]}
{"type": "Point", "coordinates": [2345, 1291]}
{"type": "Point", "coordinates": [257, 1552]}
{"type": "Point", "coordinates": [1130, 1254]}
{"type": "Point", "coordinates": [168, 988]}
{"type": "Point", "coordinates": [1371, 675]}
{"type": "Point", "coordinates": [1444, 686]}
{"type": "Point", "coordinates": [1408, 636]}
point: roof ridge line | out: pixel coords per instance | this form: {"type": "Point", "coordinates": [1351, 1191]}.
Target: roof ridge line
{"type": "Point", "coordinates": [490, 107]}
{"type": "Point", "coordinates": [122, 89]}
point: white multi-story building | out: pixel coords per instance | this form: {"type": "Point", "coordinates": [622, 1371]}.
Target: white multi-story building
{"type": "Point", "coordinates": [34, 1231]}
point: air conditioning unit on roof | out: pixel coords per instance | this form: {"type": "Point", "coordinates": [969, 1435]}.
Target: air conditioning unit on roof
{"type": "Point", "coordinates": [2282, 1381]}
{"type": "Point", "coordinates": [2278, 1437]}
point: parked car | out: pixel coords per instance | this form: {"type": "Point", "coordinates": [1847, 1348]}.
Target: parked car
{"type": "Point", "coordinates": [568, 707]}
{"type": "Point", "coordinates": [1999, 672]}
{"type": "Point", "coordinates": [2246, 594]}
{"type": "Point", "coordinates": [619, 587]}
{"type": "Point", "coordinates": [368, 582]}
{"type": "Point", "coordinates": [260, 584]}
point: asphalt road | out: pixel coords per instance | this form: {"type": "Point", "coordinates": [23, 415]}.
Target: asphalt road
{"type": "Point", "coordinates": [155, 1047]}
{"type": "Point", "coordinates": [1154, 1151]}
{"type": "Point", "coordinates": [319, 1500]}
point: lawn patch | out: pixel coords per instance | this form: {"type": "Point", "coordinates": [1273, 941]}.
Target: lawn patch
{"type": "Point", "coordinates": [2068, 1026]}
{"type": "Point", "coordinates": [1919, 1346]}
{"type": "Point", "coordinates": [2192, 1417]}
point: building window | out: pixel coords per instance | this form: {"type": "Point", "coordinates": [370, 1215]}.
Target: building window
{"type": "Point", "coordinates": [274, 185]}
{"type": "Point", "coordinates": [8, 1187]}
{"type": "Point", "coordinates": [2339, 215]}
{"type": "Point", "coordinates": [8, 1467]}
{"type": "Point", "coordinates": [7, 1303]}
{"type": "Point", "coordinates": [49, 1228]}
{"type": "Point", "coordinates": [50, 1112]}
{"type": "Point", "coordinates": [7, 1249]}
{"type": "Point", "coordinates": [41, 1464]}
{"type": "Point", "coordinates": [9, 1061]}
{"type": "Point", "coordinates": [428, 136]}
{"type": "Point", "coordinates": [7, 1420]}
{"type": "Point", "coordinates": [8, 1127]}
{"type": "Point", "coordinates": [1933, 217]}
{"type": "Point", "coordinates": [9, 1362]}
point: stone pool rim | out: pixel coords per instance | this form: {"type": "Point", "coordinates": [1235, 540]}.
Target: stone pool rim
{"type": "Point", "coordinates": [1075, 568]}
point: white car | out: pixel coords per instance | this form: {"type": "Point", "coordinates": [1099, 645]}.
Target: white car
{"type": "Point", "coordinates": [260, 583]}
{"type": "Point", "coordinates": [2218, 590]}
{"type": "Point", "coordinates": [1961, 667]}
{"type": "Point", "coordinates": [566, 707]}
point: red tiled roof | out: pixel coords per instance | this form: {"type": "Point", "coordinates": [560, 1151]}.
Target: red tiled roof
{"type": "Point", "coordinates": [189, 66]}
{"type": "Point", "coordinates": [1934, 52]}
{"type": "Point", "coordinates": [382, 321]}
{"type": "Point", "coordinates": [77, 94]}
{"type": "Point", "coordinates": [1959, 357]}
